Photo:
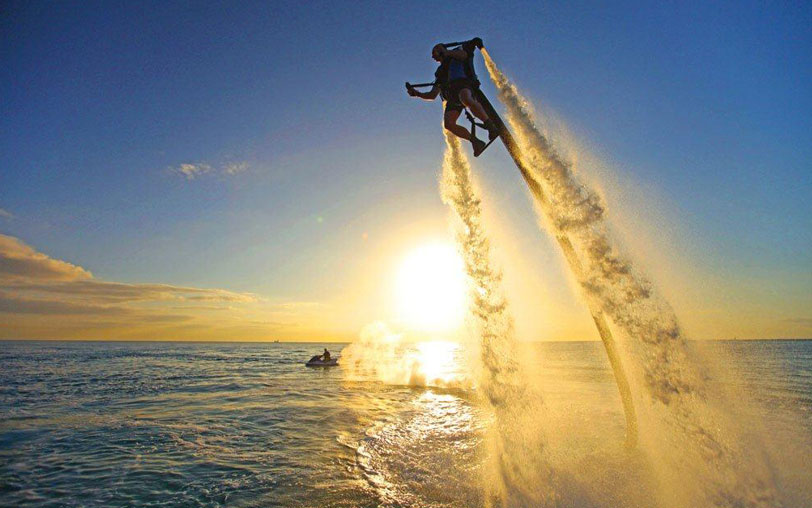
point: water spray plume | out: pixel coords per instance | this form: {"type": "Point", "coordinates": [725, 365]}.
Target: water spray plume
{"type": "Point", "coordinates": [488, 304]}
{"type": "Point", "coordinates": [690, 435]}
{"type": "Point", "coordinates": [515, 440]}
{"type": "Point", "coordinates": [574, 263]}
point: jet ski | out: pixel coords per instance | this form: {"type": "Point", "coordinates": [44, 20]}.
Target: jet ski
{"type": "Point", "coordinates": [317, 361]}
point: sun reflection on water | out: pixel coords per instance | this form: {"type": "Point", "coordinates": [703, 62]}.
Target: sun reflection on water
{"type": "Point", "coordinates": [439, 362]}
{"type": "Point", "coordinates": [434, 442]}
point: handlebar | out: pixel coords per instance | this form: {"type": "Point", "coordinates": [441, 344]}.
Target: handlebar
{"type": "Point", "coordinates": [477, 41]}
{"type": "Point", "coordinates": [409, 86]}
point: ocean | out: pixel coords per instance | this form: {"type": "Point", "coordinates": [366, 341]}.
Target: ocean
{"type": "Point", "coordinates": [112, 424]}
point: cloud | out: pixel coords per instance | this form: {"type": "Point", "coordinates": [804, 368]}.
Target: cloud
{"type": "Point", "coordinates": [233, 168]}
{"type": "Point", "coordinates": [43, 297]}
{"type": "Point", "coordinates": [203, 307]}
{"type": "Point", "coordinates": [170, 318]}
{"type": "Point", "coordinates": [6, 214]}
{"type": "Point", "coordinates": [191, 171]}
{"type": "Point", "coordinates": [18, 261]}
{"type": "Point", "coordinates": [121, 292]}
{"type": "Point", "coordinates": [22, 305]}
{"type": "Point", "coordinates": [46, 298]}
{"type": "Point", "coordinates": [217, 295]}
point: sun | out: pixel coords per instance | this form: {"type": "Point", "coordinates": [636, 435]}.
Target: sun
{"type": "Point", "coordinates": [431, 289]}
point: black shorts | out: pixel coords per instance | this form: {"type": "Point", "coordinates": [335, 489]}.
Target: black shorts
{"type": "Point", "coordinates": [452, 99]}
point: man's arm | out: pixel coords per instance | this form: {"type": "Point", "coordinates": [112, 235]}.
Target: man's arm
{"type": "Point", "coordinates": [458, 54]}
{"type": "Point", "coordinates": [427, 96]}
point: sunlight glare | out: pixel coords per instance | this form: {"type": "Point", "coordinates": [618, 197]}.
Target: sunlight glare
{"type": "Point", "coordinates": [431, 289]}
{"type": "Point", "coordinates": [437, 360]}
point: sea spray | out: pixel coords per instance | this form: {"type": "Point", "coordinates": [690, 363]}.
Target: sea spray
{"type": "Point", "coordinates": [692, 441]}
{"type": "Point", "coordinates": [382, 355]}
{"type": "Point", "coordinates": [519, 473]}
{"type": "Point", "coordinates": [574, 263]}
{"type": "Point", "coordinates": [488, 304]}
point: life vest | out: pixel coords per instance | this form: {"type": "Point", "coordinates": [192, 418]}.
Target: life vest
{"type": "Point", "coordinates": [451, 69]}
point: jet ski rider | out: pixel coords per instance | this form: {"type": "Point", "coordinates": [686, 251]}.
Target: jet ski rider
{"type": "Point", "coordinates": [454, 82]}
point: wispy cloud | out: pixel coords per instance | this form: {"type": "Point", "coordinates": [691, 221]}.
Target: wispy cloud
{"type": "Point", "coordinates": [193, 170]}
{"type": "Point", "coordinates": [120, 292]}
{"type": "Point", "coordinates": [22, 305]}
{"type": "Point", "coordinates": [233, 168]}
{"type": "Point", "coordinates": [6, 214]}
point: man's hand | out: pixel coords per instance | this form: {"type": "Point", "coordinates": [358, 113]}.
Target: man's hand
{"type": "Point", "coordinates": [426, 96]}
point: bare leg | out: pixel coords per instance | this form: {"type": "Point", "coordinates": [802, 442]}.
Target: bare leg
{"type": "Point", "coordinates": [467, 98]}
{"type": "Point", "coordinates": [450, 122]}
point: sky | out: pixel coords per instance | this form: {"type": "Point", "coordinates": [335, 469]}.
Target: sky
{"type": "Point", "coordinates": [256, 171]}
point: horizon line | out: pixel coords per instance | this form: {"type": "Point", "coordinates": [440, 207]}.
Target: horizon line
{"type": "Point", "coordinates": [784, 339]}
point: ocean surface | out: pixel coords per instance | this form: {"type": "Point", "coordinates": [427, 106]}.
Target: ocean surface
{"type": "Point", "coordinates": [247, 424]}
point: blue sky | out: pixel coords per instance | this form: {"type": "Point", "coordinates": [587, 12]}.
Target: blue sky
{"type": "Point", "coordinates": [705, 107]}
